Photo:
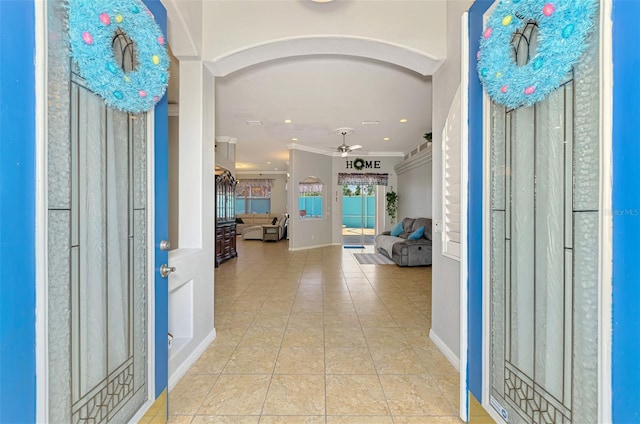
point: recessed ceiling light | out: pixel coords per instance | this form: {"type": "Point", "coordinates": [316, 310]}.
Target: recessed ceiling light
{"type": "Point", "coordinates": [386, 139]}
{"type": "Point", "coordinates": [287, 121]}
{"type": "Point", "coordinates": [253, 122]}
{"type": "Point", "coordinates": [268, 163]}
{"type": "Point", "coordinates": [370, 122]}
{"type": "Point", "coordinates": [275, 169]}
{"type": "Point", "coordinates": [403, 120]}
{"type": "Point", "coordinates": [322, 1]}
{"type": "Point", "coordinates": [294, 139]}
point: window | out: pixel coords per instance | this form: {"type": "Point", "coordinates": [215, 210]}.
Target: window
{"type": "Point", "coordinates": [253, 196]}
{"type": "Point", "coordinates": [310, 198]}
{"type": "Point", "coordinates": [451, 169]}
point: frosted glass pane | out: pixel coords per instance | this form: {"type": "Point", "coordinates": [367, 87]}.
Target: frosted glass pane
{"type": "Point", "coordinates": [59, 314]}
{"type": "Point", "coordinates": [59, 139]}
{"type": "Point", "coordinates": [586, 135]}
{"type": "Point", "coordinates": [139, 161]}
{"type": "Point", "coordinates": [497, 299]}
{"type": "Point", "coordinates": [549, 243]}
{"type": "Point", "coordinates": [139, 288]}
{"type": "Point", "coordinates": [586, 313]}
{"type": "Point", "coordinates": [92, 324]}
{"type": "Point", "coordinates": [118, 235]}
{"type": "Point", "coordinates": [522, 239]}
{"type": "Point", "coordinates": [498, 157]}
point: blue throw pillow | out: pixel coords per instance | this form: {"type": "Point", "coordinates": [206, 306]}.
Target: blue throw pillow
{"type": "Point", "coordinates": [417, 234]}
{"type": "Point", "coordinates": [397, 229]}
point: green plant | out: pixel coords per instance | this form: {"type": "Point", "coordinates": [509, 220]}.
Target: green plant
{"type": "Point", "coordinates": [427, 136]}
{"type": "Point", "coordinates": [392, 204]}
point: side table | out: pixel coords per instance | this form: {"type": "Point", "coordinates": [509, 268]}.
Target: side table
{"type": "Point", "coordinates": [270, 232]}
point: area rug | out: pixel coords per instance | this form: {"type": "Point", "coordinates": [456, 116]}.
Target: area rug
{"type": "Point", "coordinates": [373, 259]}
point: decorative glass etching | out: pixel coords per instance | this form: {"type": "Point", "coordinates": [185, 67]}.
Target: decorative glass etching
{"type": "Point", "coordinates": [544, 249]}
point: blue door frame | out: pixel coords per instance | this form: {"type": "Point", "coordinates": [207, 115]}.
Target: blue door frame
{"type": "Point", "coordinates": [18, 214]}
{"type": "Point", "coordinates": [625, 372]}
{"type": "Point", "coordinates": [161, 202]}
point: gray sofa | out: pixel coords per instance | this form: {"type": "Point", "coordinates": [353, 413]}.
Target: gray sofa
{"type": "Point", "coordinates": [406, 252]}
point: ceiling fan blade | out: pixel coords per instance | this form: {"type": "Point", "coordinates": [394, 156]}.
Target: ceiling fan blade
{"type": "Point", "coordinates": [355, 147]}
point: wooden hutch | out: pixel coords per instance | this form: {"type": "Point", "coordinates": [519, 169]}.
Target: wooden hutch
{"type": "Point", "coordinates": [225, 206]}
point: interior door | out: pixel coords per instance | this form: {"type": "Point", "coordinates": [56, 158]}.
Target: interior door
{"type": "Point", "coordinates": [544, 249]}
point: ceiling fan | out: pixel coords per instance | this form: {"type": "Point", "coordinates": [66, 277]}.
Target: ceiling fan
{"type": "Point", "coordinates": [344, 150]}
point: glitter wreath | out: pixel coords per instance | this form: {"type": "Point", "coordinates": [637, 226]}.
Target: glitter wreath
{"type": "Point", "coordinates": [562, 30]}
{"type": "Point", "coordinates": [92, 27]}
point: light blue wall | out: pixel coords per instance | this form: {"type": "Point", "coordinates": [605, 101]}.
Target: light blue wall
{"type": "Point", "coordinates": [626, 213]}
{"type": "Point", "coordinates": [17, 212]}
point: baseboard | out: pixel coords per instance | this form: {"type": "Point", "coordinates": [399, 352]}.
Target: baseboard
{"type": "Point", "coordinates": [191, 359]}
{"type": "Point", "coordinates": [291, 249]}
{"type": "Point", "coordinates": [448, 353]}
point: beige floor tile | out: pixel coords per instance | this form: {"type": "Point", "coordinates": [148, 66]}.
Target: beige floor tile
{"type": "Point", "coordinates": [377, 320]}
{"type": "Point", "coordinates": [397, 360]}
{"type": "Point", "coordinates": [180, 419]}
{"type": "Point", "coordinates": [295, 395]}
{"type": "Point", "coordinates": [262, 336]}
{"type": "Point", "coordinates": [354, 419]}
{"type": "Point", "coordinates": [300, 360]}
{"type": "Point", "coordinates": [228, 336]}
{"type": "Point", "coordinates": [213, 360]}
{"type": "Point", "coordinates": [252, 360]}
{"type": "Point", "coordinates": [427, 420]}
{"type": "Point", "coordinates": [355, 395]}
{"type": "Point", "coordinates": [341, 319]}
{"type": "Point", "coordinates": [348, 360]}
{"type": "Point", "coordinates": [414, 395]}
{"type": "Point", "coordinates": [292, 419]}
{"type": "Point", "coordinates": [303, 337]}
{"type": "Point", "coordinates": [187, 396]}
{"type": "Point", "coordinates": [225, 419]}
{"type": "Point", "coordinates": [351, 336]}
{"type": "Point", "coordinates": [236, 395]}
{"type": "Point", "coordinates": [385, 336]}
{"type": "Point", "coordinates": [301, 319]}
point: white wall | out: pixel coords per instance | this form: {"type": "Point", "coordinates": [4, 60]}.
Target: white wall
{"type": "Point", "coordinates": [278, 190]}
{"type": "Point", "coordinates": [233, 25]}
{"type": "Point", "coordinates": [415, 188]}
{"type": "Point", "coordinates": [191, 285]}
{"type": "Point", "coordinates": [446, 272]}
{"type": "Point", "coordinates": [307, 233]}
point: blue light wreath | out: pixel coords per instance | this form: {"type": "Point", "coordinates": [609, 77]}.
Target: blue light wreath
{"type": "Point", "coordinates": [562, 30]}
{"type": "Point", "coordinates": [92, 26]}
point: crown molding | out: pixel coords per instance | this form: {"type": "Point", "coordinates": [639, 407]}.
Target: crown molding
{"type": "Point", "coordinates": [421, 158]}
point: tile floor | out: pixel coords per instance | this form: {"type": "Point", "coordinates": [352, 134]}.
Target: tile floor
{"type": "Point", "coordinates": [313, 337]}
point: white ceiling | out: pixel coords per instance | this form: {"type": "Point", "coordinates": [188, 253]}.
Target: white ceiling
{"type": "Point", "coordinates": [319, 94]}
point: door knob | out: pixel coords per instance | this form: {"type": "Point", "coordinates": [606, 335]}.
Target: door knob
{"type": "Point", "coordinates": [165, 245]}
{"type": "Point", "coordinates": [166, 270]}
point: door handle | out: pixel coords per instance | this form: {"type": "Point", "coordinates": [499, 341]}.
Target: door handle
{"type": "Point", "coordinates": [166, 270]}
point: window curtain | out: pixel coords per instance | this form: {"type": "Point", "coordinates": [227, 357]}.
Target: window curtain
{"type": "Point", "coordinates": [244, 186]}
{"type": "Point", "coordinates": [363, 179]}
{"type": "Point", "coordinates": [310, 185]}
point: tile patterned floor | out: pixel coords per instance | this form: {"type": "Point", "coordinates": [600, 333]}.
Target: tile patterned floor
{"type": "Point", "coordinates": [313, 337]}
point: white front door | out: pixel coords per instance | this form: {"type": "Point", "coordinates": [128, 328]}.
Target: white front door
{"type": "Point", "coordinates": [544, 207]}
{"type": "Point", "coordinates": [97, 246]}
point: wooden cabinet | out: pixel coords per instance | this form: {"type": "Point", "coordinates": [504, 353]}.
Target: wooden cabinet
{"type": "Point", "coordinates": [225, 205]}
